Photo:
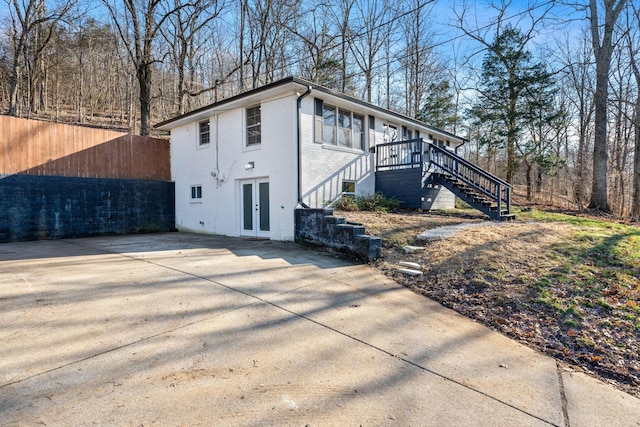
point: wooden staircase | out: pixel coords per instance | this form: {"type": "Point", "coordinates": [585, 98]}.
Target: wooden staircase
{"type": "Point", "coordinates": [477, 187]}
{"type": "Point", "coordinates": [476, 199]}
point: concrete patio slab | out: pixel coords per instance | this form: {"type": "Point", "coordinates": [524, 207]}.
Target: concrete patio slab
{"type": "Point", "coordinates": [436, 339]}
{"type": "Point", "coordinates": [180, 329]}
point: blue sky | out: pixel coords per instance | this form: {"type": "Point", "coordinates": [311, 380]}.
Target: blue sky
{"type": "Point", "coordinates": [451, 45]}
{"type": "Point", "coordinates": [480, 15]}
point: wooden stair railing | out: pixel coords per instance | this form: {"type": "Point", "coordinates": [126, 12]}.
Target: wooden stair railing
{"type": "Point", "coordinates": [479, 188]}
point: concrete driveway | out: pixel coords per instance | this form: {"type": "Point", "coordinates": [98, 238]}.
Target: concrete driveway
{"type": "Point", "coordinates": [180, 329]}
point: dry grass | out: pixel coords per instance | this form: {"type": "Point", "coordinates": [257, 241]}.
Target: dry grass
{"type": "Point", "coordinates": [566, 285]}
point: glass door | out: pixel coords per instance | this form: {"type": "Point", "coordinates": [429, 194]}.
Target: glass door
{"type": "Point", "coordinates": [255, 207]}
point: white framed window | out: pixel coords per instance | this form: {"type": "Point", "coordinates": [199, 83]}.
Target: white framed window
{"type": "Point", "coordinates": [254, 126]}
{"type": "Point", "coordinates": [348, 188]}
{"type": "Point", "coordinates": [196, 193]}
{"type": "Point", "coordinates": [329, 124]}
{"type": "Point", "coordinates": [439, 142]}
{"type": "Point", "coordinates": [338, 126]}
{"type": "Point", "coordinates": [358, 131]}
{"type": "Point", "coordinates": [344, 128]}
{"type": "Point", "coordinates": [390, 132]}
{"type": "Point", "coordinates": [204, 133]}
{"type": "Point", "coordinates": [372, 131]}
{"type": "Point", "coordinates": [407, 133]}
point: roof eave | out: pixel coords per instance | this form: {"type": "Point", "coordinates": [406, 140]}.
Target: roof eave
{"type": "Point", "coordinates": [205, 111]}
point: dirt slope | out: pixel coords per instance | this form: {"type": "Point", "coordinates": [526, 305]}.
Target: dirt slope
{"type": "Point", "coordinates": [518, 279]}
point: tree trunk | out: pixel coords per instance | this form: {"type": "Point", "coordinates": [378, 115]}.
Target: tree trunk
{"type": "Point", "coordinates": [599, 200]}
{"type": "Point", "coordinates": [529, 183]}
{"type": "Point", "coordinates": [42, 90]}
{"type": "Point", "coordinates": [539, 180]}
{"type": "Point", "coordinates": [182, 91]}
{"type": "Point", "coordinates": [635, 208]}
{"type": "Point", "coordinates": [602, 51]}
{"type": "Point", "coordinates": [13, 89]}
{"type": "Point", "coordinates": [81, 89]}
{"type": "Point", "coordinates": [144, 80]}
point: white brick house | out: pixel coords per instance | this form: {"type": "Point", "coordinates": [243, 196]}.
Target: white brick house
{"type": "Point", "coordinates": [241, 166]}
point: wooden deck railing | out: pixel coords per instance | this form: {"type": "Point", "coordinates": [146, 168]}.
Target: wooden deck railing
{"type": "Point", "coordinates": [399, 155]}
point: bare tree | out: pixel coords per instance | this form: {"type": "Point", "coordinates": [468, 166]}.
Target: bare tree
{"type": "Point", "coordinates": [267, 37]}
{"type": "Point", "coordinates": [319, 61]}
{"type": "Point", "coordinates": [543, 118]}
{"type": "Point", "coordinates": [579, 84]}
{"type": "Point", "coordinates": [370, 38]}
{"type": "Point", "coordinates": [138, 25]}
{"type": "Point", "coordinates": [341, 17]}
{"type": "Point", "coordinates": [32, 27]}
{"type": "Point", "coordinates": [182, 36]}
{"type": "Point", "coordinates": [459, 81]}
{"type": "Point", "coordinates": [419, 61]}
{"type": "Point", "coordinates": [633, 44]}
{"type": "Point", "coordinates": [620, 136]}
{"type": "Point", "coordinates": [602, 40]}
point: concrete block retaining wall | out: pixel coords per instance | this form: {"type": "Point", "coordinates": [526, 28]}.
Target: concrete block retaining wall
{"type": "Point", "coordinates": [320, 226]}
{"type": "Point", "coordinates": [52, 207]}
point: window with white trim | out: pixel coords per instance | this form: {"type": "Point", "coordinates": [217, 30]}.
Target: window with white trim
{"type": "Point", "coordinates": [348, 188]}
{"type": "Point", "coordinates": [358, 131]}
{"type": "Point", "coordinates": [439, 142]}
{"type": "Point", "coordinates": [329, 124]}
{"type": "Point", "coordinates": [407, 134]}
{"type": "Point", "coordinates": [389, 132]}
{"type": "Point", "coordinates": [372, 131]}
{"type": "Point", "coordinates": [204, 133]}
{"type": "Point", "coordinates": [338, 126]}
{"type": "Point", "coordinates": [196, 193]}
{"type": "Point", "coordinates": [254, 126]}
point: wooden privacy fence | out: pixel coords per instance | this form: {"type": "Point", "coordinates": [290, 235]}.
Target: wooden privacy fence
{"type": "Point", "coordinates": [33, 147]}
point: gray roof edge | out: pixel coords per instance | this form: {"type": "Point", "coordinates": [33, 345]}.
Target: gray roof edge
{"type": "Point", "coordinates": [314, 86]}
{"type": "Point", "coordinates": [225, 101]}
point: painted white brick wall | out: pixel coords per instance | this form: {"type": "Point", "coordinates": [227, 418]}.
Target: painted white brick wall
{"type": "Point", "coordinates": [219, 211]}
{"type": "Point", "coordinates": [324, 167]}
{"type": "Point", "coordinates": [190, 166]}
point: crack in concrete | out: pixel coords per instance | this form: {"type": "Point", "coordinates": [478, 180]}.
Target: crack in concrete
{"type": "Point", "coordinates": [563, 396]}
{"type": "Point", "coordinates": [370, 345]}
{"type": "Point", "coordinates": [296, 314]}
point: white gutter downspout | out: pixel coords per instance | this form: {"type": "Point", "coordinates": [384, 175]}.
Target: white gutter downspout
{"type": "Point", "coordinates": [299, 102]}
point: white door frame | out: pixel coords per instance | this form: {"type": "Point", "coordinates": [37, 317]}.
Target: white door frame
{"type": "Point", "coordinates": [254, 211]}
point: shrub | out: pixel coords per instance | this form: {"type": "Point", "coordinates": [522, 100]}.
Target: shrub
{"type": "Point", "coordinates": [346, 203]}
{"type": "Point", "coordinates": [377, 202]}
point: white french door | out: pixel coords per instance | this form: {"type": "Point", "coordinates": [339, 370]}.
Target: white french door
{"type": "Point", "coordinates": [254, 210]}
